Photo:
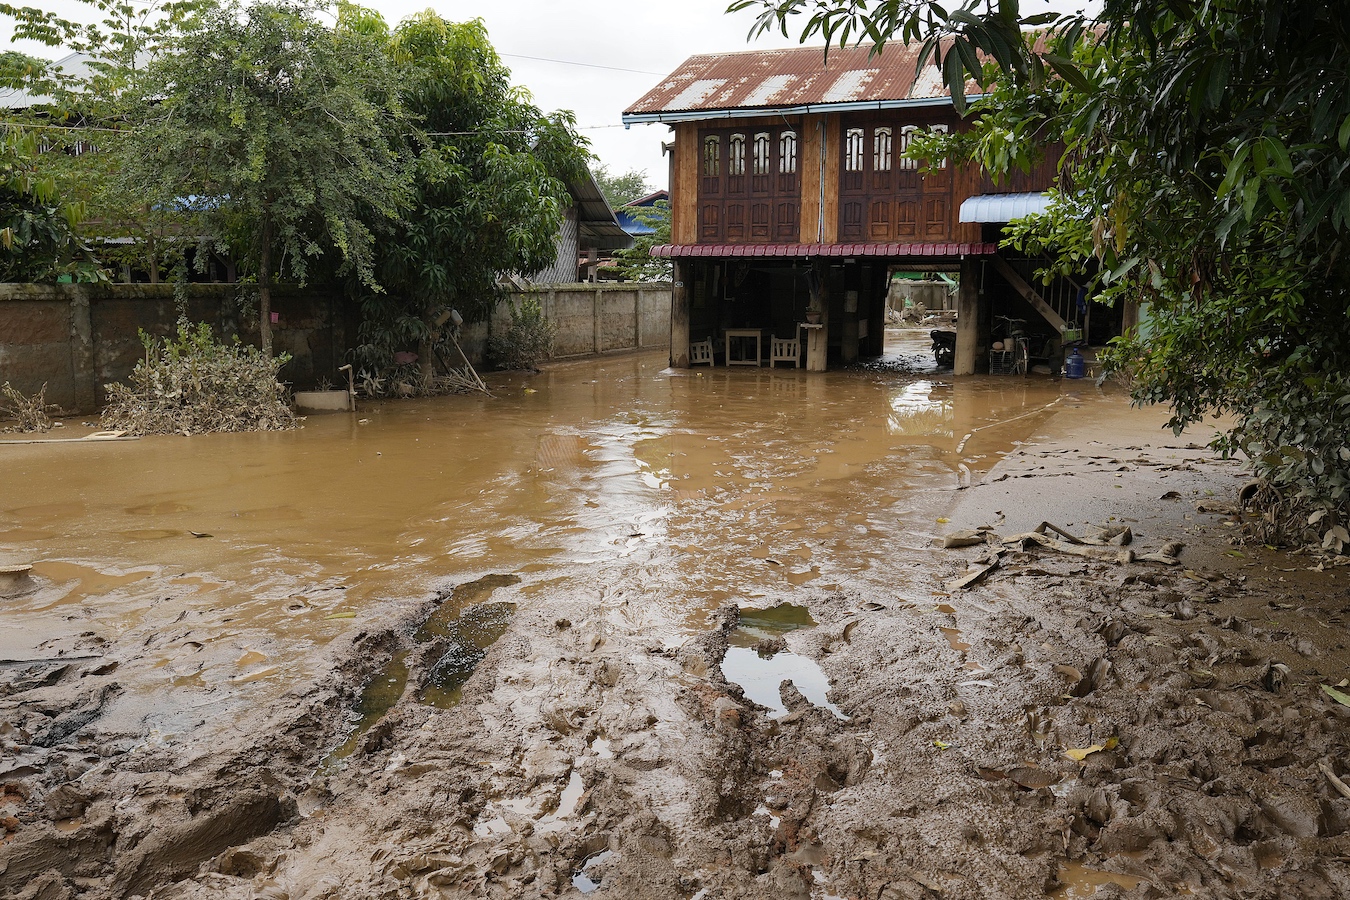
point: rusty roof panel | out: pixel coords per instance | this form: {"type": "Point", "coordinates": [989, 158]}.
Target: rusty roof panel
{"type": "Point", "coordinates": [775, 79]}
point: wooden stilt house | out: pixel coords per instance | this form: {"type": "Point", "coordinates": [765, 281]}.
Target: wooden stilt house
{"type": "Point", "coordinates": [792, 205]}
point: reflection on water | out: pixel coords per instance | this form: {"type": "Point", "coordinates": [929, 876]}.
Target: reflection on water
{"type": "Point", "coordinates": [684, 487]}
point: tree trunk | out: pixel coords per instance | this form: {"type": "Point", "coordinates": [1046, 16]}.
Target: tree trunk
{"type": "Point", "coordinates": [426, 362]}
{"type": "Point", "coordinates": [265, 286]}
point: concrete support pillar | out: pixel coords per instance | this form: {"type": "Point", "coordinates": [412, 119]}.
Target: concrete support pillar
{"type": "Point", "coordinates": [818, 339]}
{"type": "Point", "coordinates": [968, 317]}
{"type": "Point", "coordinates": [82, 372]}
{"type": "Point", "coordinates": [848, 329]}
{"type": "Point", "coordinates": [679, 314]}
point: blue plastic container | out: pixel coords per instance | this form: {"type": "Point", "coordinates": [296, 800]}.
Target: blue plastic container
{"type": "Point", "coordinates": [1075, 366]}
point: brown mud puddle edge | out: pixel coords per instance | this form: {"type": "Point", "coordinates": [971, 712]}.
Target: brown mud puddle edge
{"type": "Point", "coordinates": [759, 672]}
{"type": "Point", "coordinates": [471, 627]}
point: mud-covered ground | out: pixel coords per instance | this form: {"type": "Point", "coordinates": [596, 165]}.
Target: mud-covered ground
{"type": "Point", "coordinates": [591, 753]}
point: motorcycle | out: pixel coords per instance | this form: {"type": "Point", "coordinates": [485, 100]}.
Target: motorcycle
{"type": "Point", "coordinates": [944, 348]}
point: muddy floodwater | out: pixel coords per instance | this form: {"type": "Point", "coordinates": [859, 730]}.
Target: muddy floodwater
{"type": "Point", "coordinates": [640, 634]}
{"type": "Point", "coordinates": [681, 491]}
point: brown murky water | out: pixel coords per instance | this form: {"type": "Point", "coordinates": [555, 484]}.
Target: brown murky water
{"type": "Point", "coordinates": [609, 479]}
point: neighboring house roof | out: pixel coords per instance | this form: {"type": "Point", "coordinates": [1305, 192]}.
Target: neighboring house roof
{"type": "Point", "coordinates": [1003, 208]}
{"type": "Point", "coordinates": [635, 226]}
{"type": "Point", "coordinates": [764, 82]}
{"type": "Point", "coordinates": [651, 199]}
{"type": "Point", "coordinates": [72, 66]}
{"type": "Point", "coordinates": [599, 226]}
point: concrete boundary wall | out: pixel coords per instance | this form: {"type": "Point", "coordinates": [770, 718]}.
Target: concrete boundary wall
{"type": "Point", "coordinates": [591, 319]}
{"type": "Point", "coordinates": [77, 338]}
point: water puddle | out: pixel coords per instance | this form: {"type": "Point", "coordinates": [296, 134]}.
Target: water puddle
{"type": "Point", "coordinates": [583, 881]}
{"type": "Point", "coordinates": [755, 625]}
{"type": "Point", "coordinates": [1078, 881]}
{"type": "Point", "coordinates": [953, 636]}
{"type": "Point", "coordinates": [470, 633]}
{"type": "Point", "coordinates": [77, 582]}
{"type": "Point", "coordinates": [954, 639]}
{"type": "Point", "coordinates": [759, 673]}
{"type": "Point", "coordinates": [570, 797]}
{"type": "Point", "coordinates": [378, 697]}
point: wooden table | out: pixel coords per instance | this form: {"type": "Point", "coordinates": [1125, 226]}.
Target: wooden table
{"type": "Point", "coordinates": [745, 333]}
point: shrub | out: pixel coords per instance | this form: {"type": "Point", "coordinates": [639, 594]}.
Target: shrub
{"type": "Point", "coordinates": [191, 383]}
{"type": "Point", "coordinates": [528, 340]}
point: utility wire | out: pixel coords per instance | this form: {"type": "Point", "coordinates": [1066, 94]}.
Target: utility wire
{"type": "Point", "coordinates": [568, 62]}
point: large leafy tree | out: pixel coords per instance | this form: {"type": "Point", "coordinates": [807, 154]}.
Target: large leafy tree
{"type": "Point", "coordinates": [38, 242]}
{"type": "Point", "coordinates": [1208, 172]}
{"type": "Point", "coordinates": [489, 188]}
{"type": "Point", "coordinates": [620, 189]}
{"type": "Point", "coordinates": [83, 114]}
{"type": "Point", "coordinates": [277, 136]}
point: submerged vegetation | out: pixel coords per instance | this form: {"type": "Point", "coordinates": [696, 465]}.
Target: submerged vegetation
{"type": "Point", "coordinates": [191, 383]}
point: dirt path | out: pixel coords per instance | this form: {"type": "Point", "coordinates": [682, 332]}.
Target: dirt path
{"type": "Point", "coordinates": [590, 753]}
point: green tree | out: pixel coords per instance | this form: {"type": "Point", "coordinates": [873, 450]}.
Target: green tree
{"type": "Point", "coordinates": [38, 242]}
{"type": "Point", "coordinates": [636, 263]}
{"type": "Point", "coordinates": [489, 188]}
{"type": "Point", "coordinates": [277, 136]}
{"type": "Point", "coordinates": [84, 114]}
{"type": "Point", "coordinates": [620, 189]}
{"type": "Point", "coordinates": [1207, 150]}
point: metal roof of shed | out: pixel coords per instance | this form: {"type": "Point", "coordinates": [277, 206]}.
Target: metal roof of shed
{"type": "Point", "coordinates": [1003, 208]}
{"type": "Point", "coordinates": [758, 82]}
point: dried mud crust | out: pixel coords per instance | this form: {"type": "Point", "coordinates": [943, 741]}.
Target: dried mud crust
{"type": "Point", "coordinates": [583, 746]}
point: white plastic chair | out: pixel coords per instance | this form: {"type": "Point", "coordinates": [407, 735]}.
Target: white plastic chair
{"type": "Point", "coordinates": [701, 352]}
{"type": "Point", "coordinates": [786, 350]}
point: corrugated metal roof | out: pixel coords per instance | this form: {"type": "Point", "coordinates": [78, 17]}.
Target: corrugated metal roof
{"type": "Point", "coordinates": [781, 79]}
{"type": "Point", "coordinates": [1003, 207]}
{"type": "Point", "coordinates": [782, 251]}
{"type": "Point", "coordinates": [599, 226]}
{"type": "Point", "coordinates": [73, 65]}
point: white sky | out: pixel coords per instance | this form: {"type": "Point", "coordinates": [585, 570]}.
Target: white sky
{"type": "Point", "coordinates": [648, 38]}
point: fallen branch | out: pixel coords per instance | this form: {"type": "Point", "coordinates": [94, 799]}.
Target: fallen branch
{"type": "Point", "coordinates": [1341, 787]}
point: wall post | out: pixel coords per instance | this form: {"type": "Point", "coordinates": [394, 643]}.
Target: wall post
{"type": "Point", "coordinates": [596, 311]}
{"type": "Point", "coordinates": [82, 372]}
{"type": "Point", "coordinates": [637, 319]}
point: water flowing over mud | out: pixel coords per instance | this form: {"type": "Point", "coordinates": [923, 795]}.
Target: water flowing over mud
{"type": "Point", "coordinates": [626, 632]}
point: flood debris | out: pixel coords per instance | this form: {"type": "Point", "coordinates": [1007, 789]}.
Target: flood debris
{"type": "Point", "coordinates": [24, 413]}
{"type": "Point", "coordinates": [193, 384]}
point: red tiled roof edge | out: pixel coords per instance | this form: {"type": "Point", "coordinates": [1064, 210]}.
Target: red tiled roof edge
{"type": "Point", "coordinates": [930, 250]}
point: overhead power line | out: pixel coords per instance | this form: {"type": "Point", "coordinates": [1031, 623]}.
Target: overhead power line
{"type": "Point", "coordinates": [569, 62]}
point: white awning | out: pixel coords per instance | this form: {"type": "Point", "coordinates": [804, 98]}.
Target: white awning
{"type": "Point", "coordinates": [1003, 207]}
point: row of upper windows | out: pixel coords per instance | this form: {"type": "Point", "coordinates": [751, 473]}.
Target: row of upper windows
{"type": "Point", "coordinates": [884, 149]}
{"type": "Point", "coordinates": [712, 154]}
